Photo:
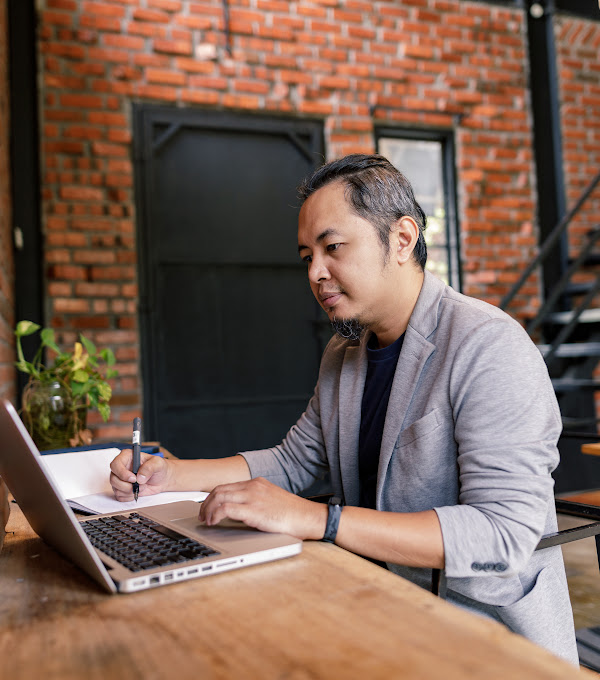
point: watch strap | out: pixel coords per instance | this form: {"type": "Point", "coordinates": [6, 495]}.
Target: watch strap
{"type": "Point", "coordinates": [333, 519]}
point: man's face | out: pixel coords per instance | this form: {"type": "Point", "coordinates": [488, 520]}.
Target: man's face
{"type": "Point", "coordinates": [348, 270]}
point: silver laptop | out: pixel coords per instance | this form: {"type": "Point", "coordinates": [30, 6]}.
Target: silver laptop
{"type": "Point", "coordinates": [128, 551]}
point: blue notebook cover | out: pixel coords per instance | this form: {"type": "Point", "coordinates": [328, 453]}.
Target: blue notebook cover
{"type": "Point", "coordinates": [105, 445]}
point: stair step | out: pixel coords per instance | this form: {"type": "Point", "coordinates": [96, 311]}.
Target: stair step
{"type": "Point", "coordinates": [574, 349]}
{"type": "Point", "coordinates": [573, 384]}
{"type": "Point", "coordinates": [592, 259]}
{"type": "Point", "coordinates": [588, 316]}
{"type": "Point", "coordinates": [578, 288]}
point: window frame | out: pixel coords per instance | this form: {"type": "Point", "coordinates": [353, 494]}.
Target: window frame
{"type": "Point", "coordinates": [446, 138]}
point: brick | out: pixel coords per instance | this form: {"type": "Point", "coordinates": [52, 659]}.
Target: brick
{"type": "Point", "coordinates": [165, 77]}
{"type": "Point", "coordinates": [80, 193]}
{"type": "Point", "coordinates": [151, 15]}
{"type": "Point", "coordinates": [68, 5]}
{"type": "Point", "coordinates": [255, 87]}
{"type": "Point", "coordinates": [175, 47]}
{"type": "Point", "coordinates": [81, 101]}
{"type": "Point", "coordinates": [70, 306]}
{"type": "Point", "coordinates": [240, 101]}
{"type": "Point", "coordinates": [65, 239]}
{"type": "Point", "coordinates": [103, 9]}
{"type": "Point", "coordinates": [56, 19]}
{"type": "Point", "coordinates": [208, 83]}
{"type": "Point", "coordinates": [94, 257]}
{"type": "Point", "coordinates": [166, 5]}
{"type": "Point", "coordinates": [103, 149]}
{"type": "Point", "coordinates": [125, 41]}
{"type": "Point", "coordinates": [100, 23]}
{"type": "Point", "coordinates": [64, 271]}
{"type": "Point", "coordinates": [147, 30]}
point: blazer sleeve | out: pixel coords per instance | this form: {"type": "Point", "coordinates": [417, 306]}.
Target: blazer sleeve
{"type": "Point", "coordinates": [300, 458]}
{"type": "Point", "coordinates": [507, 424]}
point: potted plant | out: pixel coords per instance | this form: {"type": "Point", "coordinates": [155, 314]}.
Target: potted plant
{"type": "Point", "coordinates": [58, 395]}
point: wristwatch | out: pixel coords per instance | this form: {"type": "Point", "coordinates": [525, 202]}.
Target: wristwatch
{"type": "Point", "coordinates": [333, 519]}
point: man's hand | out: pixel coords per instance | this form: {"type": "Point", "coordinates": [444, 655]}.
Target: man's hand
{"type": "Point", "coordinates": [152, 477]}
{"type": "Point", "coordinates": [267, 507]}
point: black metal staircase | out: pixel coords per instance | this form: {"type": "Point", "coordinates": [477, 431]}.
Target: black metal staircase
{"type": "Point", "coordinates": [566, 330]}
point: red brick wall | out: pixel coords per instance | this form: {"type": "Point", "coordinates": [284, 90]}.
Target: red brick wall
{"type": "Point", "coordinates": [7, 370]}
{"type": "Point", "coordinates": [355, 63]}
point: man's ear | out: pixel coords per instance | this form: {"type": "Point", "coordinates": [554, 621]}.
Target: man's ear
{"type": "Point", "coordinates": [405, 235]}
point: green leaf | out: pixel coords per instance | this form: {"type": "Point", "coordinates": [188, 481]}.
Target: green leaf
{"type": "Point", "coordinates": [111, 373]}
{"type": "Point", "coordinates": [104, 391]}
{"type": "Point", "coordinates": [80, 376]}
{"type": "Point", "coordinates": [48, 339]}
{"type": "Point", "coordinates": [88, 344]}
{"type": "Point", "coordinates": [78, 389]}
{"type": "Point", "coordinates": [104, 410]}
{"type": "Point", "coordinates": [108, 356]}
{"type": "Point", "coordinates": [26, 328]}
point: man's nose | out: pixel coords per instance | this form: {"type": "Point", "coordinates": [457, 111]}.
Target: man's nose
{"type": "Point", "coordinates": [317, 271]}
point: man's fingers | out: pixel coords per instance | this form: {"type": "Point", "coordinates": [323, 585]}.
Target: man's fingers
{"type": "Point", "coordinates": [150, 466]}
{"type": "Point", "coordinates": [121, 466]}
{"type": "Point", "coordinates": [119, 485]}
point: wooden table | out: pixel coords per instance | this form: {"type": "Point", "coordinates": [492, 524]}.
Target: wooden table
{"type": "Point", "coordinates": [323, 614]}
{"type": "Point", "coordinates": [592, 449]}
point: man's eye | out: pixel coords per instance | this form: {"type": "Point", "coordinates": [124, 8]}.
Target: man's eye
{"type": "Point", "coordinates": [307, 259]}
{"type": "Point", "coordinates": [332, 247]}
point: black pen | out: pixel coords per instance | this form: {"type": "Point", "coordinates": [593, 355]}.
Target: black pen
{"type": "Point", "coordinates": [137, 426]}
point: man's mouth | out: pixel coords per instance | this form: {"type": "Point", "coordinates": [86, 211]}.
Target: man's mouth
{"type": "Point", "coordinates": [330, 299]}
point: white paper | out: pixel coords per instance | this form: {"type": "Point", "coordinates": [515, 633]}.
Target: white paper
{"type": "Point", "coordinates": [81, 473]}
{"type": "Point", "coordinates": [83, 479]}
{"type": "Point", "coordinates": [106, 502]}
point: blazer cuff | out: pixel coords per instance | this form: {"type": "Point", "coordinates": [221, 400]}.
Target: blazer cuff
{"type": "Point", "coordinates": [468, 550]}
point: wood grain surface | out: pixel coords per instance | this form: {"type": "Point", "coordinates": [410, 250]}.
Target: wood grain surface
{"type": "Point", "coordinates": [323, 614]}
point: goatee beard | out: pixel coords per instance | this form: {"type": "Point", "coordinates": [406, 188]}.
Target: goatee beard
{"type": "Point", "coordinates": [350, 329]}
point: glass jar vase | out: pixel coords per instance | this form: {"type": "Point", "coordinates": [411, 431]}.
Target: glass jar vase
{"type": "Point", "coordinates": [51, 416]}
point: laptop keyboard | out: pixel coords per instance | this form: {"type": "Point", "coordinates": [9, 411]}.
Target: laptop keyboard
{"type": "Point", "coordinates": [139, 543]}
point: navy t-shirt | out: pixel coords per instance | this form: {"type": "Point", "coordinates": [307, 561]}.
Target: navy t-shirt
{"type": "Point", "coordinates": [380, 375]}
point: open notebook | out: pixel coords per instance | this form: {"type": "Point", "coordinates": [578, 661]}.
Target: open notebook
{"type": "Point", "coordinates": [82, 478]}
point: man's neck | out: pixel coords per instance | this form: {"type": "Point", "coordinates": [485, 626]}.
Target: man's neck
{"type": "Point", "coordinates": [407, 294]}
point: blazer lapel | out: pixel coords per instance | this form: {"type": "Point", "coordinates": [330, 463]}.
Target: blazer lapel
{"type": "Point", "coordinates": [352, 383]}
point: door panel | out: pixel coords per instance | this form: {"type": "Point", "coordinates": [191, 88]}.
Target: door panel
{"type": "Point", "coordinates": [231, 334]}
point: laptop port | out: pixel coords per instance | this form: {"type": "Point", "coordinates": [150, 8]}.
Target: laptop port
{"type": "Point", "coordinates": [154, 579]}
{"type": "Point", "coordinates": [226, 564]}
{"type": "Point", "coordinates": [169, 577]}
{"type": "Point", "coordinates": [207, 568]}
{"type": "Point", "coordinates": [193, 571]}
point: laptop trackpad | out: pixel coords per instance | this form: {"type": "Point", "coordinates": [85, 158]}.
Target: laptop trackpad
{"type": "Point", "coordinates": [225, 531]}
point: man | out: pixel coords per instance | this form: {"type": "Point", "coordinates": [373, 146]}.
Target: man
{"type": "Point", "coordinates": [433, 414]}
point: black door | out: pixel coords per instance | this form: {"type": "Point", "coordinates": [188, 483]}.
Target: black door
{"type": "Point", "coordinates": [230, 332]}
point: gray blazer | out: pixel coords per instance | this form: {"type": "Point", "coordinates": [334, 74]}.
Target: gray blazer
{"type": "Point", "coordinates": [471, 432]}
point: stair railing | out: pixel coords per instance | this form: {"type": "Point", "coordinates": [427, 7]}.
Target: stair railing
{"type": "Point", "coordinates": [546, 249]}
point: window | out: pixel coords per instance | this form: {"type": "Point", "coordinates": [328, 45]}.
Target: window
{"type": "Point", "coordinates": [426, 158]}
